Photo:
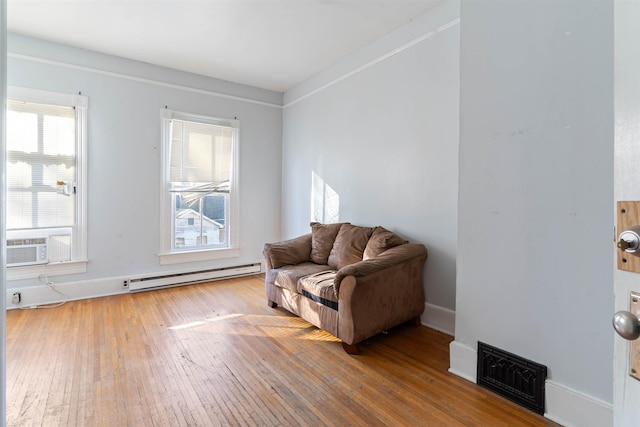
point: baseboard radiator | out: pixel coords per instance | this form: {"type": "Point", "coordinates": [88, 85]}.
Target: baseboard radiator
{"type": "Point", "coordinates": [139, 284]}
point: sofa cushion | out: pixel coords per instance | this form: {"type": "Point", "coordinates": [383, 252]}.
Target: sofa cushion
{"type": "Point", "coordinates": [319, 288]}
{"type": "Point", "coordinates": [381, 240]}
{"type": "Point", "coordinates": [288, 276]}
{"type": "Point", "coordinates": [349, 245]}
{"type": "Point", "coordinates": [322, 238]}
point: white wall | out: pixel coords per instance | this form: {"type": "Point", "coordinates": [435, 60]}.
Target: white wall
{"type": "Point", "coordinates": [125, 99]}
{"type": "Point", "coordinates": [381, 129]}
{"type": "Point", "coordinates": [536, 191]}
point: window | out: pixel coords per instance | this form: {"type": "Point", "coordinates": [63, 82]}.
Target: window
{"type": "Point", "coordinates": [199, 193]}
{"type": "Point", "coordinates": [45, 175]}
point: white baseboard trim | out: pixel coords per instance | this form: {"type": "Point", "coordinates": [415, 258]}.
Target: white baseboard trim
{"type": "Point", "coordinates": [463, 361]}
{"type": "Point", "coordinates": [42, 295]}
{"type": "Point", "coordinates": [564, 405]}
{"type": "Point", "coordinates": [574, 409]}
{"type": "Point", "coordinates": [439, 318]}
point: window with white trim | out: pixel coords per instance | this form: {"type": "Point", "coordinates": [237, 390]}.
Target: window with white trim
{"type": "Point", "coordinates": [199, 186]}
{"type": "Point", "coordinates": [45, 178]}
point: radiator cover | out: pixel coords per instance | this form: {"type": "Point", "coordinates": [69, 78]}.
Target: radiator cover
{"type": "Point", "coordinates": [513, 377]}
{"type": "Point", "coordinates": [185, 278]}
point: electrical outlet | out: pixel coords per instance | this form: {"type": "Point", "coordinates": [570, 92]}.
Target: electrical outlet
{"type": "Point", "coordinates": [16, 298]}
{"type": "Point", "coordinates": [125, 284]}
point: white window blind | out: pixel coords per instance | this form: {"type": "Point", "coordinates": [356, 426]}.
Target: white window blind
{"type": "Point", "coordinates": [41, 165]}
{"type": "Point", "coordinates": [200, 153]}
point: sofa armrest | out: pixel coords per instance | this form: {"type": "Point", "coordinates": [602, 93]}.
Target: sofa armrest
{"type": "Point", "coordinates": [380, 293]}
{"type": "Point", "coordinates": [288, 252]}
{"type": "Point", "coordinates": [389, 258]}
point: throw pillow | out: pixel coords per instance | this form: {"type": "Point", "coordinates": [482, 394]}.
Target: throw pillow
{"type": "Point", "coordinates": [349, 245]}
{"type": "Point", "coordinates": [322, 238]}
{"type": "Point", "coordinates": [381, 240]}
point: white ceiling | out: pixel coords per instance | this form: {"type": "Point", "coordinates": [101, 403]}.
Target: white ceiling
{"type": "Point", "coordinates": [271, 44]}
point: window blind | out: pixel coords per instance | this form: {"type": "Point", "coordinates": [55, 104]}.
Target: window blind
{"type": "Point", "coordinates": [41, 154]}
{"type": "Point", "coordinates": [200, 153]}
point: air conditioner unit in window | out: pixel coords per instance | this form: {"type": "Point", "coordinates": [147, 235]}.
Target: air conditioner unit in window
{"type": "Point", "coordinates": [27, 251]}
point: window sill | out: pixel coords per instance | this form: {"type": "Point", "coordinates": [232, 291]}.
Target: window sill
{"type": "Point", "coordinates": [194, 256]}
{"type": "Point", "coordinates": [53, 269]}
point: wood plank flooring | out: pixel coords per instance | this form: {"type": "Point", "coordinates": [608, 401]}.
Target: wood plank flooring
{"type": "Point", "coordinates": [215, 355]}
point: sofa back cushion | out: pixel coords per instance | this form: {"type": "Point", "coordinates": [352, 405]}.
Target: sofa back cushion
{"type": "Point", "coordinates": [381, 240]}
{"type": "Point", "coordinates": [349, 245]}
{"type": "Point", "coordinates": [322, 238]}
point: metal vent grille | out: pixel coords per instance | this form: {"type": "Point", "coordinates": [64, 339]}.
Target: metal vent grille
{"type": "Point", "coordinates": [60, 247]}
{"type": "Point", "coordinates": [513, 377]}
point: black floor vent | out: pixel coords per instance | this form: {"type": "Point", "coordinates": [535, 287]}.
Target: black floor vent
{"type": "Point", "coordinates": [519, 380]}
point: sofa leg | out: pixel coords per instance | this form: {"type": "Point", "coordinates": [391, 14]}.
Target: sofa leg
{"type": "Point", "coordinates": [350, 348]}
{"type": "Point", "coordinates": [415, 321]}
{"type": "Point", "coordinates": [272, 304]}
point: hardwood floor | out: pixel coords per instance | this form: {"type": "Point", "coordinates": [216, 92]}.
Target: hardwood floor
{"type": "Point", "coordinates": [214, 355]}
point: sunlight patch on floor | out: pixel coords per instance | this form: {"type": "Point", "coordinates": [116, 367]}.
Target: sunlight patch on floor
{"type": "Point", "coordinates": [258, 325]}
{"type": "Point", "coordinates": [204, 322]}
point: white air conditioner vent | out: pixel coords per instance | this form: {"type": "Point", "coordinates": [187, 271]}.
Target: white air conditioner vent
{"type": "Point", "coordinates": [27, 251]}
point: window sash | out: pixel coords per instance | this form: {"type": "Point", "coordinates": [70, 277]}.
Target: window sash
{"type": "Point", "coordinates": [41, 165]}
{"type": "Point", "coordinates": [199, 164]}
{"type": "Point", "coordinates": [202, 224]}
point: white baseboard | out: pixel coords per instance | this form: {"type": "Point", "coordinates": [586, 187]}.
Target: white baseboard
{"type": "Point", "coordinates": [574, 409]}
{"type": "Point", "coordinates": [564, 405]}
{"type": "Point", "coordinates": [463, 361]}
{"type": "Point", "coordinates": [439, 318]}
{"type": "Point", "coordinates": [40, 295]}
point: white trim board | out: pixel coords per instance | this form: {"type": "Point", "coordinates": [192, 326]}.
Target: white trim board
{"type": "Point", "coordinates": [439, 318]}
{"type": "Point", "coordinates": [572, 408]}
{"type": "Point", "coordinates": [375, 61]}
{"type": "Point", "coordinates": [138, 79]}
{"type": "Point", "coordinates": [563, 404]}
{"type": "Point", "coordinates": [463, 361]}
{"type": "Point", "coordinates": [42, 295]}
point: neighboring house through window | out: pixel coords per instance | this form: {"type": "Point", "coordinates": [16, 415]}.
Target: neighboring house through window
{"type": "Point", "coordinates": [46, 177]}
{"type": "Point", "coordinates": [199, 187]}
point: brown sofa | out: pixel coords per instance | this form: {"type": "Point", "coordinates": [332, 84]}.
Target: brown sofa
{"type": "Point", "coordinates": [353, 282]}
